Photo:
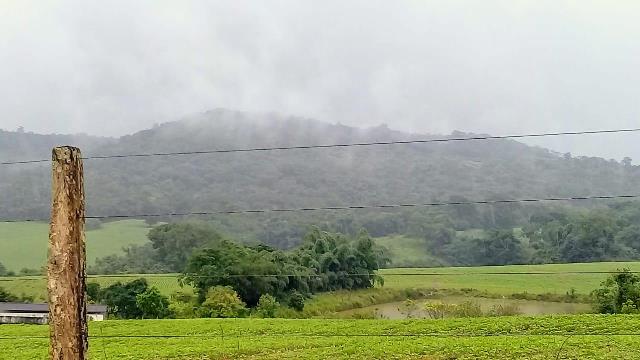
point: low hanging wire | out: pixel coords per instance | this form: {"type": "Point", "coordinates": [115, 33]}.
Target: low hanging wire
{"type": "Point", "coordinates": [344, 145]}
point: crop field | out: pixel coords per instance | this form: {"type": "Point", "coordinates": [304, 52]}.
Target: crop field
{"type": "Point", "coordinates": [24, 244]}
{"type": "Point", "coordinates": [559, 337]}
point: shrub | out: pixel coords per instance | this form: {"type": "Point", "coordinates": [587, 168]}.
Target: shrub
{"type": "Point", "coordinates": [6, 296]}
{"type": "Point", "coordinates": [466, 309]}
{"type": "Point", "coordinates": [629, 308]}
{"type": "Point", "coordinates": [267, 306]}
{"type": "Point", "coordinates": [408, 308]}
{"type": "Point", "coordinates": [152, 304]}
{"type": "Point", "coordinates": [183, 305]}
{"type": "Point", "coordinates": [436, 310]}
{"type": "Point", "coordinates": [620, 292]}
{"type": "Point", "coordinates": [504, 310]}
{"type": "Point", "coordinates": [93, 292]}
{"type": "Point", "coordinates": [296, 301]}
{"type": "Point", "coordinates": [222, 302]}
{"type": "Point", "coordinates": [439, 310]}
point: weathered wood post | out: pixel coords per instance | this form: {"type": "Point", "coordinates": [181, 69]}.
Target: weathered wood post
{"type": "Point", "coordinates": [66, 267]}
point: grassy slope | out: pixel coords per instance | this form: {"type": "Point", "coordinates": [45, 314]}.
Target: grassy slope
{"type": "Point", "coordinates": [595, 337]}
{"type": "Point", "coordinates": [25, 244]}
{"type": "Point", "coordinates": [407, 251]}
{"type": "Point", "coordinates": [558, 281]}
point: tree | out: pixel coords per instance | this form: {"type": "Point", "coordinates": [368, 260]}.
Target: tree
{"type": "Point", "coordinates": [267, 306]}
{"type": "Point", "coordinates": [496, 247]}
{"type": "Point", "coordinates": [244, 269]}
{"type": "Point", "coordinates": [296, 301]}
{"type": "Point", "coordinates": [121, 298]}
{"type": "Point", "coordinates": [4, 271]}
{"type": "Point", "coordinates": [620, 293]}
{"type": "Point", "coordinates": [6, 296]}
{"type": "Point", "coordinates": [93, 292]}
{"type": "Point", "coordinates": [222, 302]}
{"type": "Point", "coordinates": [175, 243]}
{"type": "Point", "coordinates": [152, 304]}
{"type": "Point", "coordinates": [340, 262]}
{"type": "Point", "coordinates": [590, 237]}
{"type": "Point", "coordinates": [501, 247]}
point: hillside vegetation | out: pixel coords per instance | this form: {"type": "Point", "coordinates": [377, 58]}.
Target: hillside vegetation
{"type": "Point", "coordinates": [417, 173]}
{"type": "Point", "coordinates": [473, 170]}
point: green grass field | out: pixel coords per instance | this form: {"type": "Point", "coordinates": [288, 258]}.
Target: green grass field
{"type": "Point", "coordinates": [407, 251]}
{"type": "Point", "coordinates": [558, 337]}
{"type": "Point", "coordinates": [24, 245]}
{"type": "Point", "coordinates": [557, 279]}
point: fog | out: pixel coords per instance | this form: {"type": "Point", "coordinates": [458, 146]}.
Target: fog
{"type": "Point", "coordinates": [501, 67]}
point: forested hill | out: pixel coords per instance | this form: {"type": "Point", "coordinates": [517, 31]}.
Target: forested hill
{"type": "Point", "coordinates": [21, 145]}
{"type": "Point", "coordinates": [394, 174]}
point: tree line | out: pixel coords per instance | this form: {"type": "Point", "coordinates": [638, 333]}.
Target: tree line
{"type": "Point", "coordinates": [257, 275]}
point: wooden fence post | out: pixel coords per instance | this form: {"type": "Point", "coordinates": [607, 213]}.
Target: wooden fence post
{"type": "Point", "coordinates": [66, 266]}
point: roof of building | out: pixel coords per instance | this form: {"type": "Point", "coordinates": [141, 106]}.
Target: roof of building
{"type": "Point", "coordinates": [8, 307]}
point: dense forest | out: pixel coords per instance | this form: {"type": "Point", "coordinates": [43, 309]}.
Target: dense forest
{"type": "Point", "coordinates": [417, 173]}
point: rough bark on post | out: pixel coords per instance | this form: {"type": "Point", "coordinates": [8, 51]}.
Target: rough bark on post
{"type": "Point", "coordinates": [66, 267]}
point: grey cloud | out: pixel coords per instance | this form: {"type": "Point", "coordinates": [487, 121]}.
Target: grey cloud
{"type": "Point", "coordinates": [498, 67]}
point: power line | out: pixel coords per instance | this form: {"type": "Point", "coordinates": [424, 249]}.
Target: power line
{"type": "Point", "coordinates": [343, 145]}
{"type": "Point", "coordinates": [350, 207]}
{"type": "Point", "coordinates": [163, 277]}
{"type": "Point", "coordinates": [321, 335]}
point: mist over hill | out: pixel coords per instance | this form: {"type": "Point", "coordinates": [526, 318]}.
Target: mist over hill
{"type": "Point", "coordinates": [393, 174]}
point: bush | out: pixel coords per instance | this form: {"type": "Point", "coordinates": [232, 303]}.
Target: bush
{"type": "Point", "coordinates": [439, 310]}
{"type": "Point", "coordinates": [267, 306]}
{"type": "Point", "coordinates": [466, 309]}
{"type": "Point", "coordinates": [620, 292]}
{"type": "Point", "coordinates": [296, 301]}
{"type": "Point", "coordinates": [436, 310]}
{"type": "Point", "coordinates": [152, 304]}
{"type": "Point", "coordinates": [183, 305]}
{"type": "Point", "coordinates": [408, 308]}
{"type": "Point", "coordinates": [504, 310]}
{"type": "Point", "coordinates": [222, 302]}
{"type": "Point", "coordinates": [121, 299]}
{"type": "Point", "coordinates": [6, 296]}
{"type": "Point", "coordinates": [30, 272]}
{"type": "Point", "coordinates": [93, 292]}
{"type": "Point", "coordinates": [5, 272]}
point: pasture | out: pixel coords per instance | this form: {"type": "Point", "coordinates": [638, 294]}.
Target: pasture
{"type": "Point", "coordinates": [546, 279]}
{"type": "Point", "coordinates": [24, 244]}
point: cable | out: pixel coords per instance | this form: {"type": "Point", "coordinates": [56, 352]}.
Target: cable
{"type": "Point", "coordinates": [304, 147]}
{"type": "Point", "coordinates": [383, 274]}
{"type": "Point", "coordinates": [358, 207]}
{"type": "Point", "coordinates": [350, 207]}
{"type": "Point", "coordinates": [320, 335]}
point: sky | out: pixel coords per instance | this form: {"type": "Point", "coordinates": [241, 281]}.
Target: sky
{"type": "Point", "coordinates": [500, 67]}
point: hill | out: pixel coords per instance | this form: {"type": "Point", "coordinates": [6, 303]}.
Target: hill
{"type": "Point", "coordinates": [456, 171]}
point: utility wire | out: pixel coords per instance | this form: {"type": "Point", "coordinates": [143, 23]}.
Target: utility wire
{"type": "Point", "coordinates": [344, 145]}
{"type": "Point", "coordinates": [350, 207]}
{"type": "Point", "coordinates": [357, 207]}
{"type": "Point", "coordinates": [163, 277]}
{"type": "Point", "coordinates": [321, 335]}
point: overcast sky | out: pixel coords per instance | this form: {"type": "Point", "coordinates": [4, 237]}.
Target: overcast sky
{"type": "Point", "coordinates": [500, 67]}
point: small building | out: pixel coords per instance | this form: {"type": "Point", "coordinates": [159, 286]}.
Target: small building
{"type": "Point", "coordinates": [19, 313]}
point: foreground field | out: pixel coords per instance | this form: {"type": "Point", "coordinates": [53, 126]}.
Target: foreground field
{"type": "Point", "coordinates": [24, 245]}
{"type": "Point", "coordinates": [533, 279]}
{"type": "Point", "coordinates": [560, 337]}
